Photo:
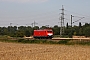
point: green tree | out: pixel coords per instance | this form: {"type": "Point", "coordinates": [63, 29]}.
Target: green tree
{"type": "Point", "coordinates": [87, 31]}
{"type": "Point", "coordinates": [56, 30]}
{"type": "Point", "coordinates": [43, 27]}
{"type": "Point", "coordinates": [27, 33]}
{"type": "Point", "coordinates": [80, 25]}
{"type": "Point", "coordinates": [36, 28]}
{"type": "Point", "coordinates": [20, 33]}
{"type": "Point", "coordinates": [67, 25]}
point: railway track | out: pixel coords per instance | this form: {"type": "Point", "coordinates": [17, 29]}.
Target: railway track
{"type": "Point", "coordinates": [70, 38]}
{"type": "Point", "coordinates": [60, 38]}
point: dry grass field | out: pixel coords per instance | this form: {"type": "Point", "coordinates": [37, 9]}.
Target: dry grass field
{"type": "Point", "coordinates": [16, 51]}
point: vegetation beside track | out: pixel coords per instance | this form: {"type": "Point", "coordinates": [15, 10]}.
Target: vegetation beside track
{"type": "Point", "coordinates": [44, 41]}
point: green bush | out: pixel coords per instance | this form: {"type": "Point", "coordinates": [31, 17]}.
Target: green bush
{"type": "Point", "coordinates": [66, 42]}
{"type": "Point", "coordinates": [63, 42]}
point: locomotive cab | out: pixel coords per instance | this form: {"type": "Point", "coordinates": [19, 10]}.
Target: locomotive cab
{"type": "Point", "coordinates": [50, 34]}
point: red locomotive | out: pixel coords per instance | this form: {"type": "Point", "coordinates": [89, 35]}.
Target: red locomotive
{"type": "Point", "coordinates": [45, 33]}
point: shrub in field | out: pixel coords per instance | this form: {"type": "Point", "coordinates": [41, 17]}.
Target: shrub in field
{"type": "Point", "coordinates": [63, 42]}
{"type": "Point", "coordinates": [20, 40]}
{"type": "Point", "coordinates": [66, 42]}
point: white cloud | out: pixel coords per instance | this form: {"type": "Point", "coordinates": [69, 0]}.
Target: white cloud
{"type": "Point", "coordinates": [24, 1]}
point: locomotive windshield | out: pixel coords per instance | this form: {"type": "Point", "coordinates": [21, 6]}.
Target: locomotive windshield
{"type": "Point", "coordinates": [49, 31]}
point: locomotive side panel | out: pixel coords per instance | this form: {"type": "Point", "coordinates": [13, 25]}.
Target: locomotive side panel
{"type": "Point", "coordinates": [40, 34]}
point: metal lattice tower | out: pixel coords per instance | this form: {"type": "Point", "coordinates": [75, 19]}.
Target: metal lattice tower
{"type": "Point", "coordinates": [33, 24]}
{"type": "Point", "coordinates": [62, 22]}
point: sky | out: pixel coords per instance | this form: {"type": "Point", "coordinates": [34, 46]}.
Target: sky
{"type": "Point", "coordinates": [43, 12]}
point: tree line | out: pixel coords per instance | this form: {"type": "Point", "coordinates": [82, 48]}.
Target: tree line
{"type": "Point", "coordinates": [21, 31]}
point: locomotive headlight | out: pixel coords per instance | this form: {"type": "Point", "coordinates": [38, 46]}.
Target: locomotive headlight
{"type": "Point", "coordinates": [50, 34]}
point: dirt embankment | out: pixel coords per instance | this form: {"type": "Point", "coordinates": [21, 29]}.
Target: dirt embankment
{"type": "Point", "coordinates": [15, 51]}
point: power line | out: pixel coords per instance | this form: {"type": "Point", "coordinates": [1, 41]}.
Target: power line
{"type": "Point", "coordinates": [78, 14]}
{"type": "Point", "coordinates": [79, 19]}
